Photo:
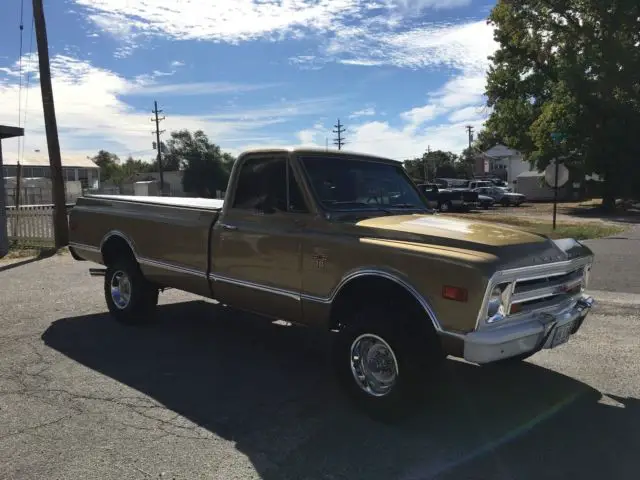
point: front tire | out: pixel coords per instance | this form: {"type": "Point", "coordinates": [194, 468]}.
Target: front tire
{"type": "Point", "coordinates": [130, 297]}
{"type": "Point", "coordinates": [383, 362]}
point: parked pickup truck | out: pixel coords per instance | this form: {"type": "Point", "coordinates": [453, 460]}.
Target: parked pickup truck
{"type": "Point", "coordinates": [344, 243]}
{"type": "Point", "coordinates": [445, 200]}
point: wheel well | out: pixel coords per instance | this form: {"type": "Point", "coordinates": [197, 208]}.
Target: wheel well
{"type": "Point", "coordinates": [116, 248]}
{"type": "Point", "coordinates": [374, 289]}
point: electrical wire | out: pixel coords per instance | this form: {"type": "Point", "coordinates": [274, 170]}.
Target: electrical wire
{"type": "Point", "coordinates": [26, 94]}
{"type": "Point", "coordinates": [20, 71]}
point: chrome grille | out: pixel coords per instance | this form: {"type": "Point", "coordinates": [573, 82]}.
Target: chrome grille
{"type": "Point", "coordinates": [541, 292]}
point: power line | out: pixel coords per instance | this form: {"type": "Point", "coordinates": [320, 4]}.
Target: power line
{"type": "Point", "coordinates": [20, 71]}
{"type": "Point", "coordinates": [339, 131]}
{"type": "Point", "coordinates": [158, 146]}
{"type": "Point", "coordinates": [26, 93]}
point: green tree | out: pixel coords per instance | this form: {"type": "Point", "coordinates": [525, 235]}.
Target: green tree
{"type": "Point", "coordinates": [206, 167]}
{"type": "Point", "coordinates": [569, 67]}
{"type": "Point", "coordinates": [113, 170]}
{"type": "Point", "coordinates": [437, 163]}
{"type": "Point", "coordinates": [109, 164]}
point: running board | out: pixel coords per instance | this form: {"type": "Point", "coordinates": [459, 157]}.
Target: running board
{"type": "Point", "coordinates": [97, 272]}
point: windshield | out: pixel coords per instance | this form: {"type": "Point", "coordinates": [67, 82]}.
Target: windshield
{"type": "Point", "coordinates": [346, 184]}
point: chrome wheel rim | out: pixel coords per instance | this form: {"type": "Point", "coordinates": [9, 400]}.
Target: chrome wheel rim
{"type": "Point", "coordinates": [373, 364]}
{"type": "Point", "coordinates": [120, 289]}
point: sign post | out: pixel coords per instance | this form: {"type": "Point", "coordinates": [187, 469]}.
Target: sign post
{"type": "Point", "coordinates": [556, 176]}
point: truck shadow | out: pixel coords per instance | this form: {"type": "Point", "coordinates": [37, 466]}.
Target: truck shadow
{"type": "Point", "coordinates": [268, 388]}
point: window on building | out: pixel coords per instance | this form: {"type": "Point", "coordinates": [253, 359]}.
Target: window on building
{"type": "Point", "coordinates": [37, 172]}
{"type": "Point", "coordinates": [69, 174]}
{"type": "Point", "coordinates": [83, 176]}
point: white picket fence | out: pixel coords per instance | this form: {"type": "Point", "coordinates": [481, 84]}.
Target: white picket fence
{"type": "Point", "coordinates": [30, 224]}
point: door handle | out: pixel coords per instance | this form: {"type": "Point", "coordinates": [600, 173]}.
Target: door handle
{"type": "Point", "coordinates": [226, 226]}
{"type": "Point", "coordinates": [299, 222]}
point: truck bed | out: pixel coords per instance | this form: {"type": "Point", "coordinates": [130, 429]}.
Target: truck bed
{"type": "Point", "coordinates": [189, 202]}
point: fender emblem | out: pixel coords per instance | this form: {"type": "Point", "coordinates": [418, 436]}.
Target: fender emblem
{"type": "Point", "coordinates": [319, 260]}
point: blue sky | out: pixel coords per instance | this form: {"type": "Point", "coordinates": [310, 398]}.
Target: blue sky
{"type": "Point", "coordinates": [400, 74]}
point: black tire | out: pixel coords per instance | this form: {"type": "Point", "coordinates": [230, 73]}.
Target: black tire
{"type": "Point", "coordinates": [485, 206]}
{"type": "Point", "coordinates": [142, 299]}
{"type": "Point", "coordinates": [446, 206]}
{"type": "Point", "coordinates": [418, 356]}
{"type": "Point", "coordinates": [505, 202]}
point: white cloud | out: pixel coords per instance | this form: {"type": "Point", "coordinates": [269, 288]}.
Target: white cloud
{"type": "Point", "coordinates": [177, 63]}
{"type": "Point", "coordinates": [463, 46]}
{"type": "Point", "coordinates": [460, 100]}
{"type": "Point", "coordinates": [365, 112]}
{"type": "Point", "coordinates": [222, 20]}
{"type": "Point", "coordinates": [91, 113]}
{"type": "Point", "coordinates": [467, 113]}
{"type": "Point", "coordinates": [236, 21]}
{"type": "Point", "coordinates": [195, 88]}
{"type": "Point", "coordinates": [419, 115]}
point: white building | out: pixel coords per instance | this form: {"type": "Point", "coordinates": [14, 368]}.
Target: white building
{"type": "Point", "coordinates": [506, 163]}
{"type": "Point", "coordinates": [74, 169]}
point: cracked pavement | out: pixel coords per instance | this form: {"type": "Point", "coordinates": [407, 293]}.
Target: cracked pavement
{"type": "Point", "coordinates": [211, 393]}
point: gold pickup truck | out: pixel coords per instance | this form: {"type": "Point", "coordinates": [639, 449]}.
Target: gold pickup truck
{"type": "Point", "coordinates": [343, 242]}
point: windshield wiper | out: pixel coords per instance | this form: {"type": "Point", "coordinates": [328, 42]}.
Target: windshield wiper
{"type": "Point", "coordinates": [362, 204]}
{"type": "Point", "coordinates": [407, 205]}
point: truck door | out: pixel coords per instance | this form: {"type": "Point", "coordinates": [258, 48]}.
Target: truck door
{"type": "Point", "coordinates": [256, 251]}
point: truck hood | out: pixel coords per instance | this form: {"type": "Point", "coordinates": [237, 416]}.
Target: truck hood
{"type": "Point", "coordinates": [512, 247]}
{"type": "Point", "coordinates": [434, 228]}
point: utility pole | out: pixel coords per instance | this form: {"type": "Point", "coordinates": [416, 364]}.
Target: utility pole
{"type": "Point", "coordinates": [469, 130]}
{"type": "Point", "coordinates": [425, 159]}
{"type": "Point", "coordinates": [60, 222]}
{"type": "Point", "coordinates": [157, 131]}
{"type": "Point", "coordinates": [339, 140]}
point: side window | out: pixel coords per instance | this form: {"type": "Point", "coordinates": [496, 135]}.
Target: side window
{"type": "Point", "coordinates": [262, 186]}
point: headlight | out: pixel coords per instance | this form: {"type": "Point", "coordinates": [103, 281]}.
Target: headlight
{"type": "Point", "coordinates": [498, 302]}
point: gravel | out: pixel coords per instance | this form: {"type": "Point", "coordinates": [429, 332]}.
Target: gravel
{"type": "Point", "coordinates": [211, 393]}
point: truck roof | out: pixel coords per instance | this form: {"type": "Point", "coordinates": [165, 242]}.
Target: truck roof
{"type": "Point", "coordinates": [316, 151]}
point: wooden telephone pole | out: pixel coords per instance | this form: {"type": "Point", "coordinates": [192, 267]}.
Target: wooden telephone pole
{"type": "Point", "coordinates": [157, 133]}
{"type": "Point", "coordinates": [60, 224]}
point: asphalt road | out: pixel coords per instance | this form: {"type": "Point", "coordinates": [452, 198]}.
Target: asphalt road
{"type": "Point", "coordinates": [210, 393]}
{"type": "Point", "coordinates": [617, 261]}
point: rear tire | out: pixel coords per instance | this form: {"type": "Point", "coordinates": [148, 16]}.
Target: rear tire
{"type": "Point", "coordinates": [445, 206]}
{"type": "Point", "coordinates": [130, 297]}
{"type": "Point", "coordinates": [384, 363]}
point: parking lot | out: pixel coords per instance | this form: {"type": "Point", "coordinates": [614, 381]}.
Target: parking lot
{"type": "Point", "coordinates": [213, 393]}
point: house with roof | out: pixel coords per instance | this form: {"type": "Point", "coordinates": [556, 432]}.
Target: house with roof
{"type": "Point", "coordinates": [74, 169]}
{"type": "Point", "coordinates": [35, 178]}
{"type": "Point", "coordinates": [502, 162]}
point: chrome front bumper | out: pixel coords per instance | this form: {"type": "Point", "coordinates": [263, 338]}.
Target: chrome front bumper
{"type": "Point", "coordinates": [524, 335]}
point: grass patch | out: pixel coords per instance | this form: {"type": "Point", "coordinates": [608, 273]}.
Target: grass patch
{"type": "Point", "coordinates": [579, 231]}
{"type": "Point", "coordinates": [20, 250]}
